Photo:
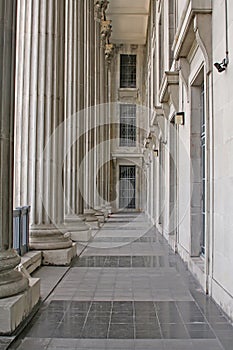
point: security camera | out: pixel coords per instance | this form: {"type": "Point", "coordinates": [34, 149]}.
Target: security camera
{"type": "Point", "coordinates": [221, 66]}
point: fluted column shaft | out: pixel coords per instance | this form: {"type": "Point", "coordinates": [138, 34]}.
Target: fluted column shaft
{"type": "Point", "coordinates": [89, 115]}
{"type": "Point", "coordinates": [11, 281]}
{"type": "Point", "coordinates": [74, 45]}
{"type": "Point", "coordinates": [38, 170]}
{"type": "Point", "coordinates": [97, 114]}
{"type": "Point", "coordinates": [102, 178]}
{"type": "Point", "coordinates": [69, 86]}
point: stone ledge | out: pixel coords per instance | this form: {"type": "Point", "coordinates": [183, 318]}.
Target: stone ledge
{"type": "Point", "coordinates": [14, 310]}
{"type": "Point", "coordinates": [31, 261]}
{"type": "Point", "coordinates": [59, 257]}
{"type": "Point", "coordinates": [128, 94]}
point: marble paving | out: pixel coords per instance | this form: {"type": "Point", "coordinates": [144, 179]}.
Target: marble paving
{"type": "Point", "coordinates": [128, 290]}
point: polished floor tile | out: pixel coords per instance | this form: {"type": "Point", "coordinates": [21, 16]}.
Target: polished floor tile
{"type": "Point", "coordinates": [129, 291]}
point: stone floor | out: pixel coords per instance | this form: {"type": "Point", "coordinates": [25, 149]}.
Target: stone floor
{"type": "Point", "coordinates": [128, 290]}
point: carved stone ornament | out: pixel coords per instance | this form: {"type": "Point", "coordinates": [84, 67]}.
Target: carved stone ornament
{"type": "Point", "coordinates": [106, 30]}
{"type": "Point", "coordinates": [100, 9]}
{"type": "Point", "coordinates": [109, 51]}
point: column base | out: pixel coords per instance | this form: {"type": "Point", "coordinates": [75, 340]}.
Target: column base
{"type": "Point", "coordinates": [59, 257]}
{"type": "Point", "coordinates": [91, 218]}
{"type": "Point", "coordinates": [48, 238]}
{"type": "Point", "coordinates": [109, 209]}
{"type": "Point", "coordinates": [78, 229]}
{"type": "Point", "coordinates": [99, 213]}
{"type": "Point", "coordinates": [15, 309]}
{"type": "Point", "coordinates": [31, 261]}
{"type": "Point", "coordinates": [12, 282]}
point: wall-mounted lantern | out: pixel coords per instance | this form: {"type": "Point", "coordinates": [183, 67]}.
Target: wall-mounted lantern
{"type": "Point", "coordinates": [179, 118]}
{"type": "Point", "coordinates": [155, 151]}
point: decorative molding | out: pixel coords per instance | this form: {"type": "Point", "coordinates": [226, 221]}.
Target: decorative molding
{"type": "Point", "coordinates": [109, 52]}
{"type": "Point", "coordinates": [202, 29]}
{"type": "Point", "coordinates": [170, 89]}
{"type": "Point", "coordinates": [105, 31]}
{"type": "Point", "coordinates": [159, 124]}
{"type": "Point", "coordinates": [126, 155]}
{"type": "Point", "coordinates": [184, 69]}
{"type": "Point", "coordinates": [100, 9]}
{"type": "Point", "coordinates": [186, 32]}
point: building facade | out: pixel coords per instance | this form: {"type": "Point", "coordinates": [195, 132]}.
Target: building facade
{"type": "Point", "coordinates": [188, 82]}
{"type": "Point", "coordinates": [108, 107]}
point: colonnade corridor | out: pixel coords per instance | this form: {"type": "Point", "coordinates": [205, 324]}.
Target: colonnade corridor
{"type": "Point", "coordinates": [127, 290]}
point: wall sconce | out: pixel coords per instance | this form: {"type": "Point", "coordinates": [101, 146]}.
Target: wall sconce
{"type": "Point", "coordinates": [179, 118]}
{"type": "Point", "coordinates": [155, 151]}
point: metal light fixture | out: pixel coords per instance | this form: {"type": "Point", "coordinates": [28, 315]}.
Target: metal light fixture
{"type": "Point", "coordinates": [179, 118]}
{"type": "Point", "coordinates": [155, 151]}
{"type": "Point", "coordinates": [223, 65]}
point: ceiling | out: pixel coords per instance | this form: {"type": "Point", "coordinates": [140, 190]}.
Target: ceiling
{"type": "Point", "coordinates": [129, 21]}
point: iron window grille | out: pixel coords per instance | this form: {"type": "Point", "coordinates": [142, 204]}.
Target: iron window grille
{"type": "Point", "coordinates": [128, 125]}
{"type": "Point", "coordinates": [128, 71]}
{"type": "Point", "coordinates": [127, 187]}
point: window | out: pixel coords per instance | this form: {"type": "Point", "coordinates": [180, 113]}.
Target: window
{"type": "Point", "coordinates": [128, 125]}
{"type": "Point", "coordinates": [128, 71]}
{"type": "Point", "coordinates": [127, 187]}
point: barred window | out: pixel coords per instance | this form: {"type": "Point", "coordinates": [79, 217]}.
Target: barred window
{"type": "Point", "coordinates": [128, 71]}
{"type": "Point", "coordinates": [127, 187]}
{"type": "Point", "coordinates": [127, 125]}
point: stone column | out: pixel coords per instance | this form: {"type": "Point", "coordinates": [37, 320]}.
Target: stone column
{"type": "Point", "coordinates": [89, 62]}
{"type": "Point", "coordinates": [11, 281]}
{"type": "Point", "coordinates": [108, 138]}
{"type": "Point", "coordinates": [97, 124]}
{"type": "Point", "coordinates": [102, 116]}
{"type": "Point", "coordinates": [74, 218]}
{"type": "Point", "coordinates": [39, 169]}
{"type": "Point", "coordinates": [47, 228]}
{"type": "Point", "coordinates": [104, 134]}
{"type": "Point", "coordinates": [97, 101]}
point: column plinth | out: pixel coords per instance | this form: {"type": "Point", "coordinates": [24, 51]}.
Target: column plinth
{"type": "Point", "coordinates": [78, 229]}
{"type": "Point", "coordinates": [91, 218]}
{"type": "Point", "coordinates": [12, 282]}
{"type": "Point", "coordinates": [47, 238]}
